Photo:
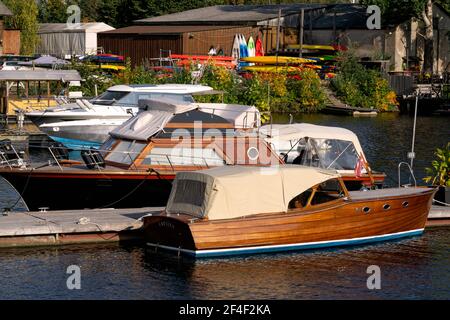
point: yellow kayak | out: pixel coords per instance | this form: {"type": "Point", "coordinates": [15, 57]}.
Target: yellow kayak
{"type": "Point", "coordinates": [272, 69]}
{"type": "Point", "coordinates": [275, 60]}
{"type": "Point", "coordinates": [312, 47]}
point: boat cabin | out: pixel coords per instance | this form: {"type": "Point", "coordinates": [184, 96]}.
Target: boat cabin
{"type": "Point", "coordinates": [181, 137]}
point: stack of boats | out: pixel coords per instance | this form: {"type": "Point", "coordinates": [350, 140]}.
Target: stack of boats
{"type": "Point", "coordinates": [231, 186]}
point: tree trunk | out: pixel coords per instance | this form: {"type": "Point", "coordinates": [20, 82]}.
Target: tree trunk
{"type": "Point", "coordinates": [428, 57]}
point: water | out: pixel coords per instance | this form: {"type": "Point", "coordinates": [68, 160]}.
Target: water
{"type": "Point", "coordinates": [416, 268]}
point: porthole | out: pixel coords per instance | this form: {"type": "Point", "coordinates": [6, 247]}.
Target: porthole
{"type": "Point", "coordinates": [253, 153]}
{"type": "Point", "coordinates": [386, 206]}
{"type": "Point", "coordinates": [366, 209]}
{"type": "Point", "coordinates": [405, 204]}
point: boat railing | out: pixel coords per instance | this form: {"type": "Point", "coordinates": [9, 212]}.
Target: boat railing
{"type": "Point", "coordinates": [95, 158]}
{"type": "Point", "coordinates": [9, 157]}
{"type": "Point", "coordinates": [410, 171]}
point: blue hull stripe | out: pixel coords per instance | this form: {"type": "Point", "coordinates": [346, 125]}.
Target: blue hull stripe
{"type": "Point", "coordinates": [291, 247]}
{"type": "Point", "coordinates": [76, 144]}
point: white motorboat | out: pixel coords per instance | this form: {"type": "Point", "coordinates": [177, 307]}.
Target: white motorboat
{"type": "Point", "coordinates": [117, 103]}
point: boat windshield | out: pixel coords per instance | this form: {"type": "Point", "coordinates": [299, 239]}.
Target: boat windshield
{"type": "Point", "coordinates": [112, 98]}
{"type": "Point", "coordinates": [109, 98]}
{"type": "Point", "coordinates": [323, 153]}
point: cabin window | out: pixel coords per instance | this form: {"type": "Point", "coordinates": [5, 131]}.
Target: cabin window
{"type": "Point", "coordinates": [183, 156]}
{"type": "Point", "coordinates": [330, 190]}
{"type": "Point", "coordinates": [107, 146]}
{"type": "Point", "coordinates": [134, 97]}
{"type": "Point", "coordinates": [126, 152]}
{"type": "Point", "coordinates": [322, 153]}
{"type": "Point", "coordinates": [190, 192]}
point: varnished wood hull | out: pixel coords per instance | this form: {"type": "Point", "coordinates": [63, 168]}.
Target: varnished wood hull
{"type": "Point", "coordinates": [343, 223]}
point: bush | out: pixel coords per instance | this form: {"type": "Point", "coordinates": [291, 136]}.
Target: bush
{"type": "Point", "coordinates": [360, 87]}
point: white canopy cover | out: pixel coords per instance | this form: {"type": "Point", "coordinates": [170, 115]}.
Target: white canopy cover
{"type": "Point", "coordinates": [286, 132]}
{"type": "Point", "coordinates": [159, 112]}
{"type": "Point", "coordinates": [237, 191]}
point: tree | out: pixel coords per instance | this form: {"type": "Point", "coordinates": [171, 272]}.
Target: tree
{"type": "Point", "coordinates": [419, 9]}
{"type": "Point", "coordinates": [53, 11]}
{"type": "Point", "coordinates": [25, 19]}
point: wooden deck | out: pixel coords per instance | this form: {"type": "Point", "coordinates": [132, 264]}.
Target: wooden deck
{"type": "Point", "coordinates": [23, 229]}
{"type": "Point", "coordinates": [28, 229]}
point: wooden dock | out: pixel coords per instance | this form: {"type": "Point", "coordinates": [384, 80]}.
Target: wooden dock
{"type": "Point", "coordinates": [28, 229]}
{"type": "Point", "coordinates": [24, 229]}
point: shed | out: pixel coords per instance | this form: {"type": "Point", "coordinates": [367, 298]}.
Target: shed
{"type": "Point", "coordinates": [9, 39]}
{"type": "Point", "coordinates": [60, 39]}
{"type": "Point", "coordinates": [195, 31]}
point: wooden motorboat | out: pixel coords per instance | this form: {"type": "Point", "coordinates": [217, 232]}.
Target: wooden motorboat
{"type": "Point", "coordinates": [136, 166]}
{"type": "Point", "coordinates": [243, 210]}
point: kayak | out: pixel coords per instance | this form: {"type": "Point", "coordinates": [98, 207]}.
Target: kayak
{"type": "Point", "coordinates": [228, 64]}
{"type": "Point", "coordinates": [272, 69]}
{"type": "Point", "coordinates": [192, 57]}
{"type": "Point", "coordinates": [312, 47]}
{"type": "Point", "coordinates": [279, 60]}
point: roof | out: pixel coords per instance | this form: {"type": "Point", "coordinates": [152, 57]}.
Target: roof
{"type": "Point", "coordinates": [4, 10]}
{"type": "Point", "coordinates": [94, 27]}
{"type": "Point", "coordinates": [47, 75]}
{"type": "Point", "coordinates": [286, 132]}
{"type": "Point", "coordinates": [163, 88]}
{"type": "Point", "coordinates": [228, 14]}
{"type": "Point", "coordinates": [167, 29]}
{"type": "Point", "coordinates": [341, 16]}
{"type": "Point", "coordinates": [45, 61]}
{"type": "Point", "coordinates": [237, 191]}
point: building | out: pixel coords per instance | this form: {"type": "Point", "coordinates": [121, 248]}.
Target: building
{"type": "Point", "coordinates": [61, 40]}
{"type": "Point", "coordinates": [9, 39]}
{"type": "Point", "coordinates": [195, 31]}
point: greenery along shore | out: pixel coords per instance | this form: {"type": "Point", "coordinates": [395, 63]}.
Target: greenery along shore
{"type": "Point", "coordinates": [301, 92]}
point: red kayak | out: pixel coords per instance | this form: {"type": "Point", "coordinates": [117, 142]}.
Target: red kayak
{"type": "Point", "coordinates": [192, 57]}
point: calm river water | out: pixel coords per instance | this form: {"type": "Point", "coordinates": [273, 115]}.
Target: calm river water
{"type": "Point", "coordinates": [416, 268]}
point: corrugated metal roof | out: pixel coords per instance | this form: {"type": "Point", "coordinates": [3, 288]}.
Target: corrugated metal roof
{"type": "Point", "coordinates": [48, 75]}
{"type": "Point", "coordinates": [4, 11]}
{"type": "Point", "coordinates": [64, 28]}
{"type": "Point", "coordinates": [229, 14]}
{"type": "Point", "coordinates": [165, 29]}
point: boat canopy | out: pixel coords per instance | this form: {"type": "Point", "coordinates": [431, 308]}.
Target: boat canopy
{"type": "Point", "coordinates": [159, 112]}
{"type": "Point", "coordinates": [242, 116]}
{"type": "Point", "coordinates": [144, 125]}
{"type": "Point", "coordinates": [296, 131]}
{"type": "Point", "coordinates": [237, 191]}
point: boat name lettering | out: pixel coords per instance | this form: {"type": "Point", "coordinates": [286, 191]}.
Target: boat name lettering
{"type": "Point", "coordinates": [165, 224]}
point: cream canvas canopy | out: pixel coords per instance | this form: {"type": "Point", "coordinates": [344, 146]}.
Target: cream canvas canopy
{"type": "Point", "coordinates": [238, 191]}
{"type": "Point", "coordinates": [296, 131]}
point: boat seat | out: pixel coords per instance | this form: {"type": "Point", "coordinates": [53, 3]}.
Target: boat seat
{"type": "Point", "coordinates": [93, 159]}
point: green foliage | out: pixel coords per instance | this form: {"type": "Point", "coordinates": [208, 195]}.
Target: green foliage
{"type": "Point", "coordinates": [439, 173]}
{"type": "Point", "coordinates": [53, 11]}
{"type": "Point", "coordinates": [24, 19]}
{"type": "Point", "coordinates": [360, 87]}
{"type": "Point", "coordinates": [92, 77]}
{"type": "Point", "coordinates": [307, 94]}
